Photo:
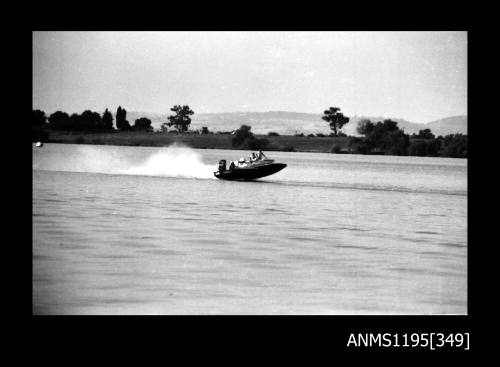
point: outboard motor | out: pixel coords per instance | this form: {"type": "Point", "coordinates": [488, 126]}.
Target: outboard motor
{"type": "Point", "coordinates": [222, 165]}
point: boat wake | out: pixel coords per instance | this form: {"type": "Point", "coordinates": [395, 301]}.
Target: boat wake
{"type": "Point", "coordinates": [364, 187]}
{"type": "Point", "coordinates": [171, 161]}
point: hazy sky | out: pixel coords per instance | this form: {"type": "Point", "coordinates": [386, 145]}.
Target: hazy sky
{"type": "Point", "coordinates": [418, 76]}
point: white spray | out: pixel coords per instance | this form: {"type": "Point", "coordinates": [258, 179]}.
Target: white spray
{"type": "Point", "coordinates": [171, 161]}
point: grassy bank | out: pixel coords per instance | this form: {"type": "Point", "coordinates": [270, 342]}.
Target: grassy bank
{"type": "Point", "coordinates": [206, 141]}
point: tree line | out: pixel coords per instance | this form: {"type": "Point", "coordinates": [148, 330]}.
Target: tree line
{"type": "Point", "coordinates": [90, 121]}
{"type": "Point", "coordinates": [385, 137]}
{"type": "Point", "coordinates": [382, 137]}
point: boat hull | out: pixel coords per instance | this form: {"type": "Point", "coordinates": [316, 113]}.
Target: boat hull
{"type": "Point", "coordinates": [250, 173]}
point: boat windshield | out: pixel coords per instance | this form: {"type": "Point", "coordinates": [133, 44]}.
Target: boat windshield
{"type": "Point", "coordinates": [257, 156]}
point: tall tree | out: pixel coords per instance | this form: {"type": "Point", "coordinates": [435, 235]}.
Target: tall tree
{"type": "Point", "coordinates": [455, 146]}
{"type": "Point", "coordinates": [336, 119]}
{"type": "Point", "coordinates": [90, 121]}
{"type": "Point", "coordinates": [107, 120]}
{"type": "Point", "coordinates": [244, 138]}
{"type": "Point", "coordinates": [121, 119]}
{"type": "Point", "coordinates": [365, 127]}
{"type": "Point", "coordinates": [424, 134]}
{"type": "Point", "coordinates": [181, 119]}
{"type": "Point", "coordinates": [38, 118]}
{"type": "Point", "coordinates": [74, 122]}
{"type": "Point", "coordinates": [38, 123]}
{"type": "Point", "coordinates": [59, 120]}
{"type": "Point", "coordinates": [383, 136]}
{"type": "Point", "coordinates": [242, 134]}
{"type": "Point", "coordinates": [143, 124]}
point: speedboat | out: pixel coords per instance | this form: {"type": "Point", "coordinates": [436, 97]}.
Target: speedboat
{"type": "Point", "coordinates": [250, 169]}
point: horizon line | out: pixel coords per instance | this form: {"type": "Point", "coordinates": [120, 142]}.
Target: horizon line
{"type": "Point", "coordinates": [270, 111]}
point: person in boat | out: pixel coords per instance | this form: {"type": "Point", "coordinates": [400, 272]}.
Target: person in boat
{"type": "Point", "coordinates": [256, 156]}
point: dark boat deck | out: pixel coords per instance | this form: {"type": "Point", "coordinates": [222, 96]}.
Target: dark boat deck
{"type": "Point", "coordinates": [250, 173]}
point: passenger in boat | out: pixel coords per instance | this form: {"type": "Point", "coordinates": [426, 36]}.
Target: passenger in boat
{"type": "Point", "coordinates": [231, 166]}
{"type": "Point", "coordinates": [260, 155]}
{"type": "Point", "coordinates": [253, 158]}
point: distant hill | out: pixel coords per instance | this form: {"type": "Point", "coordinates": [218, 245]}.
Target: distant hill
{"type": "Point", "coordinates": [289, 123]}
{"type": "Point", "coordinates": [449, 125]}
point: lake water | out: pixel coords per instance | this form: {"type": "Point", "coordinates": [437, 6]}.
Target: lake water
{"type": "Point", "coordinates": [139, 230]}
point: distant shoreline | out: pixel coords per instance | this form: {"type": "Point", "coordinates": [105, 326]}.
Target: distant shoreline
{"type": "Point", "coordinates": [285, 143]}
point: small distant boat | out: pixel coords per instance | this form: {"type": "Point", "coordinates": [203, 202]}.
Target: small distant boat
{"type": "Point", "coordinates": [39, 144]}
{"type": "Point", "coordinates": [245, 170]}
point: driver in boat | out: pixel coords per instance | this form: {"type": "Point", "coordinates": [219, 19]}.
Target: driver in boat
{"type": "Point", "coordinates": [256, 157]}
